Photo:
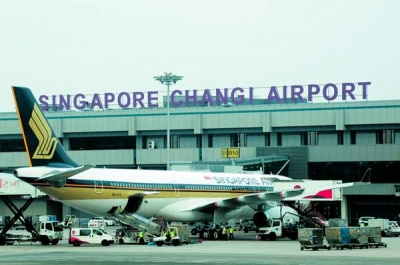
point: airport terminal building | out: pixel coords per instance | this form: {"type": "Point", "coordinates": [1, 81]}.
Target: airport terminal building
{"type": "Point", "coordinates": [323, 141]}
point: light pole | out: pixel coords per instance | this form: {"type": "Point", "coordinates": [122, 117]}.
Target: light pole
{"type": "Point", "coordinates": [168, 79]}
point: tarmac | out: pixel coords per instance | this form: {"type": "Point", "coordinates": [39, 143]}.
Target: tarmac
{"type": "Point", "coordinates": [245, 249]}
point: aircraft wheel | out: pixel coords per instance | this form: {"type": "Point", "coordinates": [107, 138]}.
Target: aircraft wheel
{"type": "Point", "coordinates": [3, 240]}
{"type": "Point", "coordinates": [215, 235]}
{"type": "Point", "coordinates": [45, 240]}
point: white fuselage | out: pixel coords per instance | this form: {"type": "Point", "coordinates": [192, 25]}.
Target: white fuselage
{"type": "Point", "coordinates": [171, 194]}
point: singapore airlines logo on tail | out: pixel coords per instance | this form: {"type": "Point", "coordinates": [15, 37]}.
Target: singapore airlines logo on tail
{"type": "Point", "coordinates": [47, 144]}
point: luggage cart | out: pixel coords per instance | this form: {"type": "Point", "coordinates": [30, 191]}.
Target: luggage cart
{"type": "Point", "coordinates": [359, 237]}
{"type": "Point", "coordinates": [315, 247]}
{"type": "Point", "coordinates": [375, 237]}
{"type": "Point", "coordinates": [381, 244]}
{"type": "Point", "coordinates": [312, 238]}
{"type": "Point", "coordinates": [342, 246]}
{"type": "Point", "coordinates": [338, 237]}
{"type": "Point", "coordinates": [359, 245]}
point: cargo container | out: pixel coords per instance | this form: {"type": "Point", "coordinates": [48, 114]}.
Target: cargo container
{"type": "Point", "coordinates": [338, 222]}
{"type": "Point", "coordinates": [312, 238]}
{"type": "Point", "coordinates": [338, 237]}
{"type": "Point", "coordinates": [358, 237]}
{"type": "Point", "coordinates": [375, 237]}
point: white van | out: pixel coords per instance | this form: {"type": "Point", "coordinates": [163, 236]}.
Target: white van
{"type": "Point", "coordinates": [80, 236]}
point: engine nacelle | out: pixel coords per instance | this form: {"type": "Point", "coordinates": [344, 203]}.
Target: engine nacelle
{"type": "Point", "coordinates": [290, 216]}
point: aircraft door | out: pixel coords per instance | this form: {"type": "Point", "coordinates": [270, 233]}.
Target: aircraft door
{"type": "Point", "coordinates": [256, 189]}
{"type": "Point", "coordinates": [176, 187]}
{"type": "Point", "coordinates": [98, 186]}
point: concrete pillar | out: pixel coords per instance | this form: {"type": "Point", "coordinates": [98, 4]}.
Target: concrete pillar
{"type": "Point", "coordinates": [344, 209]}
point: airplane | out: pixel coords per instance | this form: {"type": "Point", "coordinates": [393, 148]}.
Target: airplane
{"type": "Point", "coordinates": [174, 195]}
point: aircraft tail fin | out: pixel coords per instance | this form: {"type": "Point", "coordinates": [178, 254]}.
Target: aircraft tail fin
{"type": "Point", "coordinates": [41, 143]}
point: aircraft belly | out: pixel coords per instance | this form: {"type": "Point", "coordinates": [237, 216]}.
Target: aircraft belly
{"type": "Point", "coordinates": [96, 207]}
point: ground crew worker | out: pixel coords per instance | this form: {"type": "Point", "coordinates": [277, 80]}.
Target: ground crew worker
{"type": "Point", "coordinates": [224, 236]}
{"type": "Point", "coordinates": [141, 238]}
{"type": "Point", "coordinates": [167, 235]}
{"type": "Point", "coordinates": [231, 232]}
{"type": "Point", "coordinates": [69, 221]}
{"type": "Point", "coordinates": [172, 234]}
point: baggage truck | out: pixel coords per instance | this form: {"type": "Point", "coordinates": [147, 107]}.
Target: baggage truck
{"type": "Point", "coordinates": [42, 230]}
{"type": "Point", "coordinates": [276, 228]}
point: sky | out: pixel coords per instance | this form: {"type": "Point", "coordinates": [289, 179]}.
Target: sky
{"type": "Point", "coordinates": [70, 47]}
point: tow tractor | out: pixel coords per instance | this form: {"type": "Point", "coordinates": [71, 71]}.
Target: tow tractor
{"type": "Point", "coordinates": [129, 235]}
{"type": "Point", "coordinates": [180, 236]}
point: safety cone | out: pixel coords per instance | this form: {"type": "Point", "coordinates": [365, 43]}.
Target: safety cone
{"type": "Point", "coordinates": [256, 237]}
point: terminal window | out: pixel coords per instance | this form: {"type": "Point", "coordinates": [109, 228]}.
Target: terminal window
{"type": "Point", "coordinates": [12, 145]}
{"type": "Point", "coordinates": [102, 143]}
{"type": "Point", "coordinates": [385, 136]}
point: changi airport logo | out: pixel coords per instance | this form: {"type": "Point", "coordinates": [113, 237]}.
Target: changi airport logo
{"type": "Point", "coordinates": [208, 97]}
{"type": "Point", "coordinates": [47, 144]}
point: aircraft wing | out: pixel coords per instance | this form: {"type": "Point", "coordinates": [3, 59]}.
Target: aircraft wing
{"type": "Point", "coordinates": [254, 199]}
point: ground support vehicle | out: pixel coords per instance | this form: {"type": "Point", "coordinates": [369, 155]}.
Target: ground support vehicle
{"type": "Point", "coordinates": [312, 238]}
{"type": "Point", "coordinates": [79, 222]}
{"type": "Point", "coordinates": [387, 228]}
{"type": "Point", "coordinates": [95, 223]}
{"type": "Point", "coordinates": [79, 236]}
{"type": "Point", "coordinates": [363, 221]}
{"type": "Point", "coordinates": [128, 235]}
{"type": "Point", "coordinates": [44, 231]}
{"type": "Point", "coordinates": [275, 229]}
{"type": "Point", "coordinates": [394, 229]}
{"type": "Point", "coordinates": [68, 219]}
{"type": "Point", "coordinates": [108, 222]}
{"type": "Point", "coordinates": [181, 236]}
